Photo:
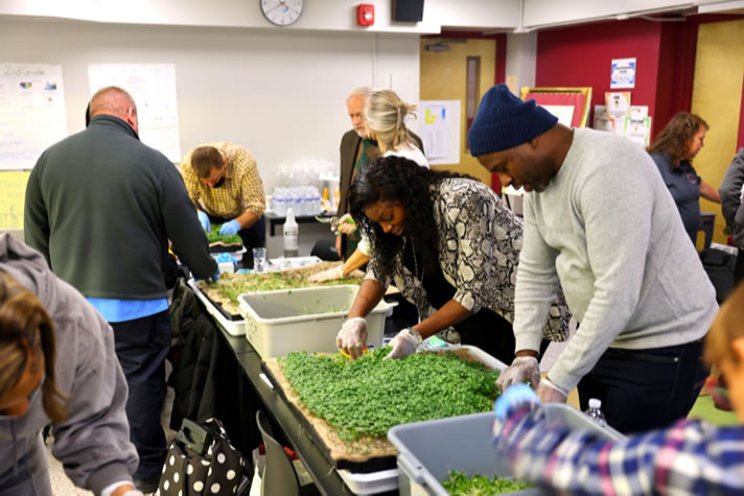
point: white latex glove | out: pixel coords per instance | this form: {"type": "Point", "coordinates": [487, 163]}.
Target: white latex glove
{"type": "Point", "coordinates": [332, 274]}
{"type": "Point", "coordinates": [346, 224]}
{"type": "Point", "coordinates": [548, 392]}
{"type": "Point", "coordinates": [404, 343]}
{"type": "Point", "coordinates": [352, 337]}
{"type": "Point", "coordinates": [522, 369]}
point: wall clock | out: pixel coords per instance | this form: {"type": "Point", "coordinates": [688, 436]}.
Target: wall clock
{"type": "Point", "coordinates": [282, 12]}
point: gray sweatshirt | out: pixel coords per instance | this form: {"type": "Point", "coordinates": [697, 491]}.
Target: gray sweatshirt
{"type": "Point", "coordinates": [608, 229]}
{"type": "Point", "coordinates": [93, 443]}
{"type": "Point", "coordinates": [731, 196]}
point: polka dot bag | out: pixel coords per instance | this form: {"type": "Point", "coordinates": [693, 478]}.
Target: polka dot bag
{"type": "Point", "coordinates": [201, 461]}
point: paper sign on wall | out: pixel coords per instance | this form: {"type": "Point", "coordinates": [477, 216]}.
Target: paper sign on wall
{"type": "Point", "coordinates": [563, 112]}
{"type": "Point", "coordinates": [440, 131]}
{"type": "Point", "coordinates": [32, 112]}
{"type": "Point", "coordinates": [623, 73]}
{"type": "Point", "coordinates": [12, 198]}
{"type": "Point", "coordinates": [153, 87]}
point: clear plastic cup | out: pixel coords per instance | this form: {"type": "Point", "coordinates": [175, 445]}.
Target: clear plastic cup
{"type": "Point", "coordinates": [259, 260]}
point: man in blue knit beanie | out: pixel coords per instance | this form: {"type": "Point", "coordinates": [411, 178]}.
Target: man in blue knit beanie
{"type": "Point", "coordinates": [599, 222]}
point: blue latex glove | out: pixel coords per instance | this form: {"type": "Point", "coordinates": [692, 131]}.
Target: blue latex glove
{"type": "Point", "coordinates": [204, 220]}
{"type": "Point", "coordinates": [216, 276]}
{"type": "Point", "coordinates": [225, 258]}
{"type": "Point", "coordinates": [513, 398]}
{"type": "Point", "coordinates": [230, 228]}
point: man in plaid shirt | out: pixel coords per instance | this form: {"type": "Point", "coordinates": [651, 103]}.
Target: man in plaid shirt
{"type": "Point", "coordinates": [690, 457]}
{"type": "Point", "coordinates": [223, 182]}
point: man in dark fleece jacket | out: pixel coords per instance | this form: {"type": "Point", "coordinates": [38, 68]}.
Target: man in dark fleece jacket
{"type": "Point", "coordinates": [101, 207]}
{"type": "Point", "coordinates": [58, 367]}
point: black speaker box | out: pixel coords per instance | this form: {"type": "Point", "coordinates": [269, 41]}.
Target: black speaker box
{"type": "Point", "coordinates": [408, 10]}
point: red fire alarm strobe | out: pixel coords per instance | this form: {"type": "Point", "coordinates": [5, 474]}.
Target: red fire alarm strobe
{"type": "Point", "coordinates": [365, 14]}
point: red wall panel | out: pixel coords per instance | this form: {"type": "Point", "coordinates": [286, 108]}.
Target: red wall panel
{"type": "Point", "coordinates": [581, 56]}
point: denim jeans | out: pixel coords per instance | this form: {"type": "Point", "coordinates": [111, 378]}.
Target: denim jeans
{"type": "Point", "coordinates": [645, 389]}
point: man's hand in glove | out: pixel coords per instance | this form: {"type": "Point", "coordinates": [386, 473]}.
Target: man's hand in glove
{"type": "Point", "coordinates": [204, 220]}
{"type": "Point", "coordinates": [404, 343]}
{"type": "Point", "coordinates": [521, 370]}
{"type": "Point", "coordinates": [550, 393]}
{"type": "Point", "coordinates": [230, 228]}
{"type": "Point", "coordinates": [352, 337]}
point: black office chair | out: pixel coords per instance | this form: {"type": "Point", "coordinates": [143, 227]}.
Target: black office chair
{"type": "Point", "coordinates": [279, 475]}
{"type": "Point", "coordinates": [325, 249]}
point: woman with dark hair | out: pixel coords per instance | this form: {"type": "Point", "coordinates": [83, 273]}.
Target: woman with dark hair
{"type": "Point", "coordinates": [450, 246]}
{"type": "Point", "coordinates": [673, 150]}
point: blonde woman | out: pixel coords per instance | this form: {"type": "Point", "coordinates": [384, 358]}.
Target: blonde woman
{"type": "Point", "coordinates": [385, 114]}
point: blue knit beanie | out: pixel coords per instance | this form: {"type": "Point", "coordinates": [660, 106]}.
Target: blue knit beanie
{"type": "Point", "coordinates": [504, 121]}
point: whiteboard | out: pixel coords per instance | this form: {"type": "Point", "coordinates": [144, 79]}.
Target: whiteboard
{"type": "Point", "coordinates": [32, 112]}
{"type": "Point", "coordinates": [441, 128]}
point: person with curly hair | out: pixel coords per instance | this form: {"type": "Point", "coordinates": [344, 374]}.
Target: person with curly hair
{"type": "Point", "coordinates": [673, 150]}
{"type": "Point", "coordinates": [449, 244]}
{"type": "Point", "coordinates": [384, 117]}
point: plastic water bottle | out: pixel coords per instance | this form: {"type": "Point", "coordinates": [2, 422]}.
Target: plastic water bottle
{"type": "Point", "coordinates": [595, 411]}
{"type": "Point", "coordinates": [290, 231]}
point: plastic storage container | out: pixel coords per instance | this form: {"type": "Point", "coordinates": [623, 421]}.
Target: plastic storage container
{"type": "Point", "coordinates": [305, 319]}
{"type": "Point", "coordinates": [427, 451]}
{"type": "Point", "coordinates": [233, 326]}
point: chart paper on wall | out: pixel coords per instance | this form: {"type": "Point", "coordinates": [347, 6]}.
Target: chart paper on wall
{"type": "Point", "coordinates": [440, 131]}
{"type": "Point", "coordinates": [32, 112]}
{"type": "Point", "coordinates": [153, 87]}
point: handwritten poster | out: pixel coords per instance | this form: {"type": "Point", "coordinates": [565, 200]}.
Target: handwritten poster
{"type": "Point", "coordinates": [440, 131]}
{"type": "Point", "coordinates": [153, 87]}
{"type": "Point", "coordinates": [12, 198]}
{"type": "Point", "coordinates": [32, 112]}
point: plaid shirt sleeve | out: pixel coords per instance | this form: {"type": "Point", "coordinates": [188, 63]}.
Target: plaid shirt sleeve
{"type": "Point", "coordinates": [247, 183]}
{"type": "Point", "coordinates": [688, 458]}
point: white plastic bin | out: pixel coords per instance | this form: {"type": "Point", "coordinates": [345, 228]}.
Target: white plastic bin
{"type": "Point", "coordinates": [427, 451]}
{"type": "Point", "coordinates": [234, 327]}
{"type": "Point", "coordinates": [304, 319]}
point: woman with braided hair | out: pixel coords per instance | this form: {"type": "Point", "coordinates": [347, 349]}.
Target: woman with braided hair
{"type": "Point", "coordinates": [449, 244]}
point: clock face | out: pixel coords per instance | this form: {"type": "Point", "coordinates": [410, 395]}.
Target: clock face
{"type": "Point", "coordinates": [282, 12]}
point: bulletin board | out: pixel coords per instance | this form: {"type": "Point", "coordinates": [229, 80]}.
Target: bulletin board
{"type": "Point", "coordinates": [561, 101]}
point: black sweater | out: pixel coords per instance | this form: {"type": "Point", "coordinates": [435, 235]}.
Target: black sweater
{"type": "Point", "coordinates": [101, 207]}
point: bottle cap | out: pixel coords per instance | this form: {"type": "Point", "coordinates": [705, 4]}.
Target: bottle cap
{"type": "Point", "coordinates": [595, 403]}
